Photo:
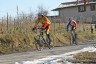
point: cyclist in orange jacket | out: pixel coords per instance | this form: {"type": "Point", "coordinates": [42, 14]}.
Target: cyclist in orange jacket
{"type": "Point", "coordinates": [45, 24]}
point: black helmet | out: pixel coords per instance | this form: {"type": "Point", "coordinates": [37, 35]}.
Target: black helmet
{"type": "Point", "coordinates": [39, 14]}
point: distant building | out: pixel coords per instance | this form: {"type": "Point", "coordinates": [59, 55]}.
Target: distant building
{"type": "Point", "coordinates": [55, 18]}
{"type": "Point", "coordinates": [78, 11]}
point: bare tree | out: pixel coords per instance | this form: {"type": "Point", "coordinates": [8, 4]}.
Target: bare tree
{"type": "Point", "coordinates": [42, 10]}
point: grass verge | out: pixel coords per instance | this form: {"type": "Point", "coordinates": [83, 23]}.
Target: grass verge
{"type": "Point", "coordinates": [85, 57]}
{"type": "Point", "coordinates": [10, 43]}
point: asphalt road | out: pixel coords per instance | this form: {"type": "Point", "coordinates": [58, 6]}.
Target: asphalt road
{"type": "Point", "coordinates": [29, 56]}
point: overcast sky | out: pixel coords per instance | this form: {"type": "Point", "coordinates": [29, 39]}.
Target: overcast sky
{"type": "Point", "coordinates": [28, 5]}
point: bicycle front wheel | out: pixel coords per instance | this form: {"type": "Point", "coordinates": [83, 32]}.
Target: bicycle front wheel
{"type": "Point", "coordinates": [38, 43]}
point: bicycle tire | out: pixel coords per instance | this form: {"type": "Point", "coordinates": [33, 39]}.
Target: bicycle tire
{"type": "Point", "coordinates": [48, 46]}
{"type": "Point", "coordinates": [38, 43]}
{"type": "Point", "coordinates": [37, 46]}
{"type": "Point", "coordinates": [41, 42]}
{"type": "Point", "coordinates": [44, 42]}
{"type": "Point", "coordinates": [71, 40]}
{"type": "Point", "coordinates": [76, 39]}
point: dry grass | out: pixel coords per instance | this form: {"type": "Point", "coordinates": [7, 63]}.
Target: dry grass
{"type": "Point", "coordinates": [18, 42]}
{"type": "Point", "coordinates": [10, 43]}
{"type": "Point", "coordinates": [85, 57]}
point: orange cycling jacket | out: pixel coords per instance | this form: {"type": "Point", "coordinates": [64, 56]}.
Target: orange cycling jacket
{"type": "Point", "coordinates": [74, 24]}
{"type": "Point", "coordinates": [44, 20]}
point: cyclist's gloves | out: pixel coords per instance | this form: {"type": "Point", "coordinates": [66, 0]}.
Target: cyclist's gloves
{"type": "Point", "coordinates": [33, 28]}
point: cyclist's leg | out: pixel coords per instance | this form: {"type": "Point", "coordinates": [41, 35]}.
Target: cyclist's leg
{"type": "Point", "coordinates": [48, 34]}
{"type": "Point", "coordinates": [76, 38]}
{"type": "Point", "coordinates": [72, 38]}
{"type": "Point", "coordinates": [45, 27]}
{"type": "Point", "coordinates": [49, 39]}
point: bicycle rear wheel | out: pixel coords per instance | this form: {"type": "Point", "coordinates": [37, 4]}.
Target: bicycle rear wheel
{"type": "Point", "coordinates": [71, 39]}
{"type": "Point", "coordinates": [76, 39]}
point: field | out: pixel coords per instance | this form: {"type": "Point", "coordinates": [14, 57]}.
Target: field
{"type": "Point", "coordinates": [14, 38]}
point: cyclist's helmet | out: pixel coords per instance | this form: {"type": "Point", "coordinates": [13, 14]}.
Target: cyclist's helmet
{"type": "Point", "coordinates": [39, 14]}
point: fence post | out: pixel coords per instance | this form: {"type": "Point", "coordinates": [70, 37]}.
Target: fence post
{"type": "Point", "coordinates": [54, 27]}
{"type": "Point", "coordinates": [14, 25]}
{"type": "Point", "coordinates": [7, 21]}
{"type": "Point", "coordinates": [10, 25]}
{"type": "Point", "coordinates": [2, 26]}
{"type": "Point", "coordinates": [26, 25]}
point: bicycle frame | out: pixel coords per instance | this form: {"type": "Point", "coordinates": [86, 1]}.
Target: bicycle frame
{"type": "Point", "coordinates": [41, 35]}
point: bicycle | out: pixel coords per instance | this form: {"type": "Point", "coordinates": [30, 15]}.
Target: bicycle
{"type": "Point", "coordinates": [74, 37]}
{"type": "Point", "coordinates": [40, 41]}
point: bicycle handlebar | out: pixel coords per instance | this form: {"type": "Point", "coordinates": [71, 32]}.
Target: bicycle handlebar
{"type": "Point", "coordinates": [40, 30]}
